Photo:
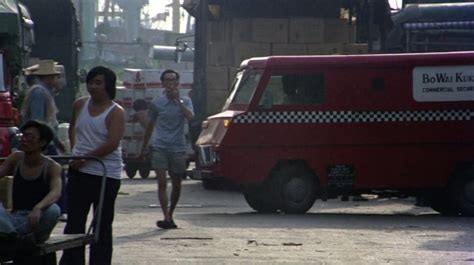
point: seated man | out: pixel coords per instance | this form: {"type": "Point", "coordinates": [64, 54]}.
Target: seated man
{"type": "Point", "coordinates": [36, 188]}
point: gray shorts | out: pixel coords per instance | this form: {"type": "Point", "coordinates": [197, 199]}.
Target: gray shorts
{"type": "Point", "coordinates": [174, 162]}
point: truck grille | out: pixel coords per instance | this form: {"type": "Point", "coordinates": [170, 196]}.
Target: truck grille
{"type": "Point", "coordinates": [206, 155]}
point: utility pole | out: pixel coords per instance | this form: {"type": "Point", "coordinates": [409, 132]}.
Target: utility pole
{"type": "Point", "coordinates": [176, 16]}
{"type": "Point", "coordinates": [200, 65]}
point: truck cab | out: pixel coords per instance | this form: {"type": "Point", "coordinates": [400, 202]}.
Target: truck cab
{"type": "Point", "coordinates": [298, 128]}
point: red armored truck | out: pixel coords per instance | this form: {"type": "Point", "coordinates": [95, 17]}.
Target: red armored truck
{"type": "Point", "coordinates": [298, 128]}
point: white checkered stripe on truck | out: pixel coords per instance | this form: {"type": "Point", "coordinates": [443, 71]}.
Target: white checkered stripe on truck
{"type": "Point", "coordinates": [354, 116]}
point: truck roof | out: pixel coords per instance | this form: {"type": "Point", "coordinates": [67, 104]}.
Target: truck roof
{"type": "Point", "coordinates": [366, 60]}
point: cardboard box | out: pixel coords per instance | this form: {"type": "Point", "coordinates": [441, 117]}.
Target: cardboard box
{"type": "Point", "coordinates": [152, 93]}
{"type": "Point", "coordinates": [241, 29]}
{"type": "Point", "coordinates": [138, 131]}
{"type": "Point", "coordinates": [216, 100]}
{"type": "Point", "coordinates": [270, 30]}
{"type": "Point", "coordinates": [124, 96]}
{"type": "Point", "coordinates": [324, 48]}
{"type": "Point", "coordinates": [128, 131]}
{"type": "Point", "coordinates": [217, 78]}
{"type": "Point", "coordinates": [337, 30]}
{"type": "Point", "coordinates": [219, 31]}
{"type": "Point", "coordinates": [152, 77]}
{"type": "Point", "coordinates": [186, 79]}
{"type": "Point", "coordinates": [133, 78]}
{"type": "Point", "coordinates": [6, 185]}
{"type": "Point", "coordinates": [306, 30]}
{"type": "Point", "coordinates": [355, 48]}
{"type": "Point", "coordinates": [246, 50]}
{"type": "Point", "coordinates": [288, 49]}
{"type": "Point", "coordinates": [219, 54]}
{"type": "Point", "coordinates": [327, 9]}
{"type": "Point", "coordinates": [138, 94]}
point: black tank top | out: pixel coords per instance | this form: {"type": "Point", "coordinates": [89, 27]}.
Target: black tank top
{"type": "Point", "coordinates": [27, 193]}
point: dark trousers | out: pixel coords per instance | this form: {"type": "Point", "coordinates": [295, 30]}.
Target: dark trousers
{"type": "Point", "coordinates": [83, 191]}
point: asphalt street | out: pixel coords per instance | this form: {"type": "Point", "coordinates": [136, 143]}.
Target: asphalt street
{"type": "Point", "coordinates": [217, 227]}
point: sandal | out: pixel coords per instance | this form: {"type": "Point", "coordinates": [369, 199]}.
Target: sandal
{"type": "Point", "coordinates": [166, 224]}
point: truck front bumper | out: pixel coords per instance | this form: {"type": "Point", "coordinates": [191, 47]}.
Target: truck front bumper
{"type": "Point", "coordinates": [200, 174]}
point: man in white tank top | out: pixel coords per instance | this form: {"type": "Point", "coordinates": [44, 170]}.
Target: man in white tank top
{"type": "Point", "coordinates": [96, 129]}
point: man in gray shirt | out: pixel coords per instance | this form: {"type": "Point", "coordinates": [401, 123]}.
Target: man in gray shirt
{"type": "Point", "coordinates": [168, 148]}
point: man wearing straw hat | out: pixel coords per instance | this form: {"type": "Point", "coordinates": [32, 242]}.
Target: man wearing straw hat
{"type": "Point", "coordinates": [39, 105]}
{"type": "Point", "coordinates": [39, 101]}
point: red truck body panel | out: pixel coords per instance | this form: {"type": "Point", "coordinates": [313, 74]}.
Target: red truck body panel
{"type": "Point", "coordinates": [387, 137]}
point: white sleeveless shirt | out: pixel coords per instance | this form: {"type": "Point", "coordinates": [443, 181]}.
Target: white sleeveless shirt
{"type": "Point", "coordinates": [91, 132]}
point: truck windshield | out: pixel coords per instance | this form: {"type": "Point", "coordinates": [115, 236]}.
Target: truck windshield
{"type": "Point", "coordinates": [244, 87]}
{"type": "Point", "coordinates": [2, 77]}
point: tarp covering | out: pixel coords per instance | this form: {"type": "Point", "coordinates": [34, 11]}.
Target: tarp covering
{"type": "Point", "coordinates": [440, 25]}
{"type": "Point", "coordinates": [8, 6]}
{"type": "Point", "coordinates": [425, 13]}
{"type": "Point", "coordinates": [9, 17]}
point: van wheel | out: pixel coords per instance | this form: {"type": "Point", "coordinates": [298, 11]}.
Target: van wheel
{"type": "Point", "coordinates": [295, 189]}
{"type": "Point", "coordinates": [462, 191]}
{"type": "Point", "coordinates": [144, 173]}
{"type": "Point", "coordinates": [131, 171]}
{"type": "Point", "coordinates": [260, 201]}
{"type": "Point", "coordinates": [441, 203]}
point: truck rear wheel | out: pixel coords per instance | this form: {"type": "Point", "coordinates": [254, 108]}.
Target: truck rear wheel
{"type": "Point", "coordinates": [295, 189]}
{"type": "Point", "coordinates": [441, 203]}
{"type": "Point", "coordinates": [462, 192]}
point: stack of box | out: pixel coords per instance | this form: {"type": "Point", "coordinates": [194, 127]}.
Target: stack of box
{"type": "Point", "coordinates": [142, 84]}
{"type": "Point", "coordinates": [233, 40]}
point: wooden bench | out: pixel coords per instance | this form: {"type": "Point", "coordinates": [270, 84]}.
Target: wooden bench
{"type": "Point", "coordinates": [45, 253]}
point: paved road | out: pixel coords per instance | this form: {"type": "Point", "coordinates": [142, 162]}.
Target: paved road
{"type": "Point", "coordinates": [218, 227]}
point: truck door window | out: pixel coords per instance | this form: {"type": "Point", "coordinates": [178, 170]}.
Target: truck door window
{"type": "Point", "coordinates": [299, 89]}
{"type": "Point", "coordinates": [244, 89]}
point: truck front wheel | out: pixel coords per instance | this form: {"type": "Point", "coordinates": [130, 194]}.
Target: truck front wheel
{"type": "Point", "coordinates": [295, 189]}
{"type": "Point", "coordinates": [260, 200]}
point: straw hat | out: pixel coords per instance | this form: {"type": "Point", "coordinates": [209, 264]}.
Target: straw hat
{"type": "Point", "coordinates": [44, 67]}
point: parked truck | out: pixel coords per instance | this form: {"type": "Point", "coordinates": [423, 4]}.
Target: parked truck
{"type": "Point", "coordinates": [16, 38]}
{"type": "Point", "coordinates": [57, 37]}
{"type": "Point", "coordinates": [298, 128]}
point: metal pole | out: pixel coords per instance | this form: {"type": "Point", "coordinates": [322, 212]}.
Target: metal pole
{"type": "Point", "coordinates": [176, 16]}
{"type": "Point", "coordinates": [200, 62]}
{"type": "Point", "coordinates": [371, 25]}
